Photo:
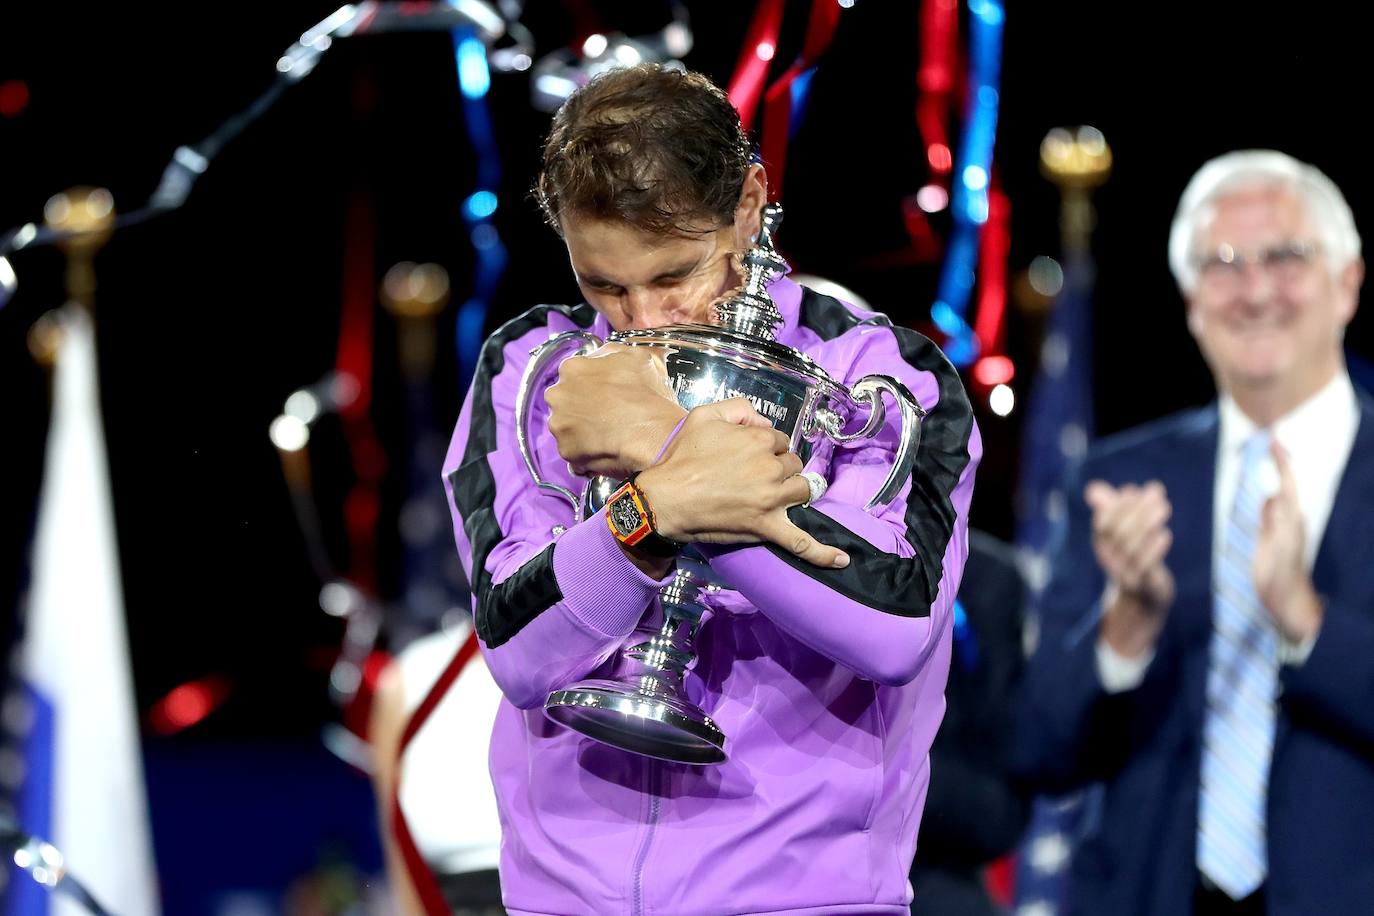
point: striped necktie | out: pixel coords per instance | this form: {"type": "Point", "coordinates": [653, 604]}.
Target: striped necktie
{"type": "Point", "coordinates": [1238, 734]}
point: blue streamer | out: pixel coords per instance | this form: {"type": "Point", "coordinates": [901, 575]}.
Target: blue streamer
{"type": "Point", "coordinates": [800, 91]}
{"type": "Point", "coordinates": [965, 643]}
{"type": "Point", "coordinates": [474, 81]}
{"type": "Point", "coordinates": [972, 175]}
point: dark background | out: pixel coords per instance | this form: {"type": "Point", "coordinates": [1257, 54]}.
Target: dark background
{"type": "Point", "coordinates": [210, 316]}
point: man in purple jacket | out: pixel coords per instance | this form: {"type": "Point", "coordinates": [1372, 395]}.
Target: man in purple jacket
{"type": "Point", "coordinates": [824, 663]}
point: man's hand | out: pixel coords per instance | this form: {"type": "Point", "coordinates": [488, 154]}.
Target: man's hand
{"type": "Point", "coordinates": [728, 478]}
{"type": "Point", "coordinates": [1131, 538]}
{"type": "Point", "coordinates": [1279, 567]}
{"type": "Point", "coordinates": [611, 411]}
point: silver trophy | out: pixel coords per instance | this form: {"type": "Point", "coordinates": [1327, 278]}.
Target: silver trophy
{"type": "Point", "coordinates": [647, 711]}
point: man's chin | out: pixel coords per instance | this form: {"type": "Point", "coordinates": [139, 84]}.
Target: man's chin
{"type": "Point", "coordinates": [1256, 376]}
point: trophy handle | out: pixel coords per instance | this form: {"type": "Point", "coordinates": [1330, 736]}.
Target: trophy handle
{"type": "Point", "coordinates": [868, 390]}
{"type": "Point", "coordinates": [541, 357]}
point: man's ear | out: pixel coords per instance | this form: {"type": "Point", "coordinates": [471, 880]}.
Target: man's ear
{"type": "Point", "coordinates": [1194, 319]}
{"type": "Point", "coordinates": [1348, 283]}
{"type": "Point", "coordinates": [752, 197]}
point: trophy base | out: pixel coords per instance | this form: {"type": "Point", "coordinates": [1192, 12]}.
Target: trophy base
{"type": "Point", "coordinates": [640, 718]}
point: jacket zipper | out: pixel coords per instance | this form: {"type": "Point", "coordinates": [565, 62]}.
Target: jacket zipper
{"type": "Point", "coordinates": [651, 774]}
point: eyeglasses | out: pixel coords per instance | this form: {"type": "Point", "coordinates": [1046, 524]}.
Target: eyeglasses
{"type": "Point", "coordinates": [1284, 263]}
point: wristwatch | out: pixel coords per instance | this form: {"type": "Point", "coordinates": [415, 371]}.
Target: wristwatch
{"type": "Point", "coordinates": [632, 521]}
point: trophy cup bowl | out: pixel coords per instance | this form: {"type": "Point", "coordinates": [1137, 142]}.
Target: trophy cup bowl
{"type": "Point", "coordinates": [647, 711]}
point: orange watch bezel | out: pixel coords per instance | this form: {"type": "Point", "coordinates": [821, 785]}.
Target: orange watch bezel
{"type": "Point", "coordinates": [645, 526]}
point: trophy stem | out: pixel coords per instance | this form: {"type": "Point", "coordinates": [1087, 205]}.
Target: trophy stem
{"type": "Point", "coordinates": [670, 651]}
{"type": "Point", "coordinates": [647, 711]}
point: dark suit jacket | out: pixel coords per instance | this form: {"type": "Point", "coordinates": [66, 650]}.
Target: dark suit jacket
{"type": "Point", "coordinates": [1139, 856]}
{"type": "Point", "coordinates": [974, 813]}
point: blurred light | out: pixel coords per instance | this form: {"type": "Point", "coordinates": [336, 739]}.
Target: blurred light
{"type": "Point", "coordinates": [978, 207]}
{"type": "Point", "coordinates": [344, 389]}
{"type": "Point", "coordinates": [473, 76]}
{"type": "Point", "coordinates": [1092, 140]}
{"type": "Point", "coordinates": [765, 50]}
{"type": "Point", "coordinates": [932, 198]}
{"type": "Point", "coordinates": [975, 178]}
{"type": "Point", "coordinates": [289, 434]}
{"type": "Point", "coordinates": [627, 55]}
{"type": "Point", "coordinates": [303, 405]}
{"type": "Point", "coordinates": [17, 714]}
{"type": "Point", "coordinates": [987, 95]}
{"type": "Point", "coordinates": [986, 10]}
{"type": "Point", "coordinates": [484, 237]}
{"type": "Point", "coordinates": [14, 98]}
{"type": "Point", "coordinates": [1054, 354]}
{"type": "Point", "coordinates": [57, 209]}
{"type": "Point", "coordinates": [962, 349]}
{"type": "Point", "coordinates": [1049, 853]}
{"type": "Point", "coordinates": [188, 704]}
{"type": "Point", "coordinates": [480, 205]}
{"type": "Point", "coordinates": [8, 281]}
{"type": "Point", "coordinates": [41, 861]}
{"type": "Point", "coordinates": [1046, 276]}
{"type": "Point", "coordinates": [193, 160]}
{"type": "Point", "coordinates": [677, 38]}
{"type": "Point", "coordinates": [846, 4]}
{"type": "Point", "coordinates": [348, 747]}
{"type": "Point", "coordinates": [594, 46]}
{"type": "Point", "coordinates": [521, 61]}
{"type": "Point", "coordinates": [26, 234]}
{"type": "Point", "coordinates": [945, 319]}
{"type": "Point", "coordinates": [345, 679]}
{"type": "Point", "coordinates": [557, 87]}
{"type": "Point", "coordinates": [1002, 400]}
{"type": "Point", "coordinates": [1057, 144]}
{"type": "Point", "coordinates": [940, 158]}
{"type": "Point", "coordinates": [1073, 440]}
{"type": "Point", "coordinates": [100, 203]}
{"type": "Point", "coordinates": [993, 370]}
{"type": "Point", "coordinates": [338, 599]}
{"type": "Point", "coordinates": [12, 770]}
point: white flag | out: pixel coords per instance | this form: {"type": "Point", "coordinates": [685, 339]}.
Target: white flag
{"type": "Point", "coordinates": [83, 780]}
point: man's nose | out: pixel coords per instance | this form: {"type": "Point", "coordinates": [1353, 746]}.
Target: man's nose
{"type": "Point", "coordinates": [1257, 282]}
{"type": "Point", "coordinates": [649, 308]}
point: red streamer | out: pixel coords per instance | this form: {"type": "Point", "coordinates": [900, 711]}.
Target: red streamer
{"type": "Point", "coordinates": [935, 80]}
{"type": "Point", "coordinates": [362, 506]}
{"type": "Point", "coordinates": [777, 106]}
{"type": "Point", "coordinates": [751, 70]}
{"type": "Point", "coordinates": [994, 245]}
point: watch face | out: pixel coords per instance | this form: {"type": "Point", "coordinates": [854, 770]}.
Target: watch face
{"type": "Point", "coordinates": [624, 514]}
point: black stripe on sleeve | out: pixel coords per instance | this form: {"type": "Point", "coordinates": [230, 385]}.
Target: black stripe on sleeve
{"type": "Point", "coordinates": [875, 578]}
{"type": "Point", "coordinates": [502, 611]}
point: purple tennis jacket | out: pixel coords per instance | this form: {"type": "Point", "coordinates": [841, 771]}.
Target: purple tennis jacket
{"type": "Point", "coordinates": [829, 684]}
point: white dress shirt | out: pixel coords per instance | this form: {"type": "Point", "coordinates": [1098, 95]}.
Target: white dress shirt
{"type": "Point", "coordinates": [1318, 436]}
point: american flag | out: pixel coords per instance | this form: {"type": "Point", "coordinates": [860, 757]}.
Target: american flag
{"type": "Point", "coordinates": [1058, 428]}
{"type": "Point", "coordinates": [71, 768]}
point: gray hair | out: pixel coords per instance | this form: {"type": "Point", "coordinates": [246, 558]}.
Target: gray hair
{"type": "Point", "coordinates": [1246, 169]}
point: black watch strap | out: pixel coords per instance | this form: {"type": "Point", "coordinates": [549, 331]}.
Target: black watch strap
{"type": "Point", "coordinates": [631, 520]}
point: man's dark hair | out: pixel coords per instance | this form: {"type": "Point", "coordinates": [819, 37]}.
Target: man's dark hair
{"type": "Point", "coordinates": [660, 149]}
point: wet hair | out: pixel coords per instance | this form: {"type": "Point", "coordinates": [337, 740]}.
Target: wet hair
{"type": "Point", "coordinates": [660, 149]}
